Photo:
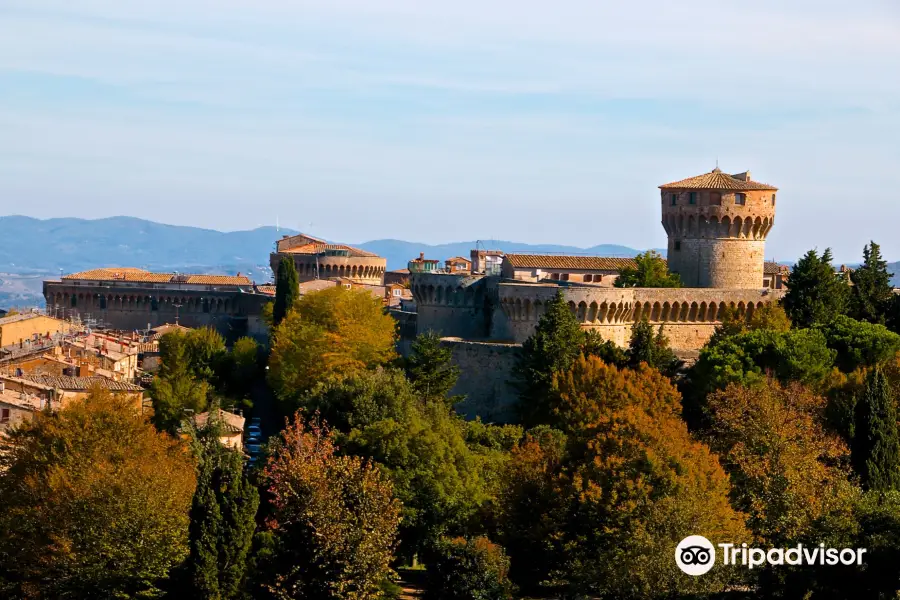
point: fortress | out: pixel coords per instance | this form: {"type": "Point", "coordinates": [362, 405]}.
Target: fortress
{"type": "Point", "coordinates": [717, 226]}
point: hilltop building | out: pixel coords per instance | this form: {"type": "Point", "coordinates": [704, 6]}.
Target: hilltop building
{"type": "Point", "coordinates": [458, 264]}
{"type": "Point", "coordinates": [717, 225]}
{"type": "Point", "coordinates": [133, 299]}
{"type": "Point", "coordinates": [317, 259]}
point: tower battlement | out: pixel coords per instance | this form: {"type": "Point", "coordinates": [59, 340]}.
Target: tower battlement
{"type": "Point", "coordinates": [717, 226]}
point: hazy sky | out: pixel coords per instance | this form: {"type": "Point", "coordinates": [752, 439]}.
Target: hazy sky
{"type": "Point", "coordinates": [436, 121]}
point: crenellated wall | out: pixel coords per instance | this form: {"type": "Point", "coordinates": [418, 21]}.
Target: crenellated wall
{"type": "Point", "coordinates": [488, 308]}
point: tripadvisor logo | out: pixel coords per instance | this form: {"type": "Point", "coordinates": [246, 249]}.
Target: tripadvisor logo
{"type": "Point", "coordinates": [696, 555]}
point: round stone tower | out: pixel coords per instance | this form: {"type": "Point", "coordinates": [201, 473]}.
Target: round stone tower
{"type": "Point", "coordinates": [717, 226]}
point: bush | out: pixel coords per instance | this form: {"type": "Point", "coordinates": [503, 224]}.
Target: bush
{"type": "Point", "coordinates": [473, 569]}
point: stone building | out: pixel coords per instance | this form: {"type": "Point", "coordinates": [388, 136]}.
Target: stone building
{"type": "Point", "coordinates": [597, 270]}
{"type": "Point", "coordinates": [133, 299]}
{"type": "Point", "coordinates": [458, 264]}
{"type": "Point", "coordinates": [317, 259]}
{"type": "Point", "coordinates": [717, 226]}
{"type": "Point", "coordinates": [15, 330]}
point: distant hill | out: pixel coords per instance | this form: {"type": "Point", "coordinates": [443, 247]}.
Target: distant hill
{"type": "Point", "coordinates": [34, 249]}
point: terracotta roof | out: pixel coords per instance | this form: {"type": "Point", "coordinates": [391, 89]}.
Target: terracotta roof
{"type": "Point", "coordinates": [22, 317]}
{"type": "Point", "coordinates": [267, 289]}
{"type": "Point", "coordinates": [458, 258]}
{"type": "Point", "coordinates": [400, 271]}
{"type": "Point", "coordinates": [320, 248]}
{"type": "Point", "coordinates": [139, 275]}
{"type": "Point", "coordinates": [773, 268]}
{"type": "Point", "coordinates": [548, 261]}
{"type": "Point", "coordinates": [83, 383]}
{"type": "Point", "coordinates": [230, 422]}
{"type": "Point", "coordinates": [315, 285]}
{"type": "Point", "coordinates": [717, 180]}
{"type": "Point", "coordinates": [161, 330]}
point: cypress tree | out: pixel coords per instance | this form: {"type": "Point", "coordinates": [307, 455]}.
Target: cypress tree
{"type": "Point", "coordinates": [816, 294]}
{"type": "Point", "coordinates": [872, 291]}
{"type": "Point", "coordinates": [555, 344]}
{"type": "Point", "coordinates": [875, 451]}
{"type": "Point", "coordinates": [650, 348]}
{"type": "Point", "coordinates": [430, 370]}
{"type": "Point", "coordinates": [287, 289]}
{"type": "Point", "coordinates": [222, 518]}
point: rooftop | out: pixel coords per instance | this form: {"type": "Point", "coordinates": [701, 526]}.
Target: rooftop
{"type": "Point", "coordinates": [717, 180]}
{"type": "Point", "coordinates": [306, 244]}
{"type": "Point", "coordinates": [773, 268]}
{"type": "Point", "coordinates": [588, 263]}
{"type": "Point", "coordinates": [231, 422]}
{"type": "Point", "coordinates": [21, 317]}
{"type": "Point", "coordinates": [142, 276]}
{"type": "Point", "coordinates": [82, 383]}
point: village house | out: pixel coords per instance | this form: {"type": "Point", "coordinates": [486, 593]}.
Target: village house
{"type": "Point", "coordinates": [29, 328]}
{"type": "Point", "coordinates": [458, 264]}
{"type": "Point", "coordinates": [17, 407]}
{"type": "Point", "coordinates": [486, 262]}
{"type": "Point", "coordinates": [232, 427]}
{"type": "Point", "coordinates": [423, 265]}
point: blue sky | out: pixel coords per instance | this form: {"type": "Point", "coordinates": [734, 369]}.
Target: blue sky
{"type": "Point", "coordinates": [431, 121]}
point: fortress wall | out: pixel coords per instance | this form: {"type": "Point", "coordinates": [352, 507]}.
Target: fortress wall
{"type": "Point", "coordinates": [486, 370]}
{"type": "Point", "coordinates": [718, 263]}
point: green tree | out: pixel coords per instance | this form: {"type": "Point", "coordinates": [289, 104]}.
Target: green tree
{"type": "Point", "coordinates": [206, 354]}
{"type": "Point", "coordinates": [175, 390]}
{"type": "Point", "coordinates": [420, 444]}
{"type": "Point", "coordinates": [334, 520]}
{"type": "Point", "coordinates": [430, 369]}
{"type": "Point", "coordinates": [222, 515]}
{"type": "Point", "coordinates": [872, 292]}
{"type": "Point", "coordinates": [244, 364]}
{"type": "Point", "coordinates": [287, 290]}
{"type": "Point", "coordinates": [467, 569]}
{"type": "Point", "coordinates": [606, 350]}
{"type": "Point", "coordinates": [330, 334]}
{"type": "Point", "coordinates": [816, 294]}
{"type": "Point", "coordinates": [876, 445]}
{"type": "Point", "coordinates": [858, 343]}
{"type": "Point", "coordinates": [650, 348]}
{"type": "Point", "coordinates": [555, 344]}
{"type": "Point", "coordinates": [650, 270]}
{"type": "Point", "coordinates": [95, 503]}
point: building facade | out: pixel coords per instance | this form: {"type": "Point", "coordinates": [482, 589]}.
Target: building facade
{"type": "Point", "coordinates": [317, 259]}
{"type": "Point", "coordinates": [134, 299]}
{"type": "Point", "coordinates": [596, 270]}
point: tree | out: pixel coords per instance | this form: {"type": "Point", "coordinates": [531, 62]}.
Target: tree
{"type": "Point", "coordinates": [287, 290]}
{"type": "Point", "coordinates": [334, 519]}
{"type": "Point", "coordinates": [623, 493]}
{"type": "Point", "coordinates": [606, 350]}
{"type": "Point", "coordinates": [651, 349]}
{"type": "Point", "coordinates": [329, 334]}
{"type": "Point", "coordinates": [816, 294]}
{"type": "Point", "coordinates": [419, 443]}
{"type": "Point", "coordinates": [872, 292]}
{"type": "Point", "coordinates": [95, 503]}
{"type": "Point", "coordinates": [770, 316]}
{"type": "Point", "coordinates": [555, 344]}
{"type": "Point", "coordinates": [206, 353]}
{"type": "Point", "coordinates": [244, 367]}
{"type": "Point", "coordinates": [781, 459]}
{"type": "Point", "coordinates": [222, 518]}
{"type": "Point", "coordinates": [650, 270]}
{"type": "Point", "coordinates": [175, 389]}
{"type": "Point", "coordinates": [859, 343]}
{"type": "Point", "coordinates": [430, 369]}
{"type": "Point", "coordinates": [876, 446]}
{"type": "Point", "coordinates": [463, 569]}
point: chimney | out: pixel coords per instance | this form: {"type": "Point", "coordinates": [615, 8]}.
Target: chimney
{"type": "Point", "coordinates": [421, 256]}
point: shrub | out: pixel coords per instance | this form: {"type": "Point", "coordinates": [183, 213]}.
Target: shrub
{"type": "Point", "coordinates": [468, 569]}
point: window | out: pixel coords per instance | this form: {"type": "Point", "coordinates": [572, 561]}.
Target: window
{"type": "Point", "coordinates": [103, 302]}
{"type": "Point", "coordinates": [715, 199]}
{"type": "Point", "coordinates": [773, 199]}
{"type": "Point", "coordinates": [554, 276]}
{"type": "Point", "coordinates": [588, 277]}
{"type": "Point", "coordinates": [4, 415]}
{"type": "Point", "coordinates": [565, 277]}
{"type": "Point", "coordinates": [674, 199]}
{"type": "Point", "coordinates": [397, 292]}
{"type": "Point", "coordinates": [154, 303]}
{"type": "Point", "coordinates": [692, 199]}
{"type": "Point", "coordinates": [678, 245]}
{"type": "Point", "coordinates": [740, 199]}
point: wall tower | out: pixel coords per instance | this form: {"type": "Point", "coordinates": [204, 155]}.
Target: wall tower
{"type": "Point", "coordinates": [717, 226]}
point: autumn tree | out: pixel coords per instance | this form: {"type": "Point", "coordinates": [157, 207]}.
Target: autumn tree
{"type": "Point", "coordinates": [816, 294]}
{"type": "Point", "coordinates": [430, 369]}
{"type": "Point", "coordinates": [876, 445]}
{"type": "Point", "coordinates": [555, 344]}
{"type": "Point", "coordinates": [222, 517]}
{"type": "Point", "coordinates": [95, 503]}
{"type": "Point", "coordinates": [783, 463]}
{"type": "Point", "coordinates": [329, 334]}
{"type": "Point", "coordinates": [872, 291]}
{"type": "Point", "coordinates": [650, 271]}
{"type": "Point", "coordinates": [287, 290]}
{"type": "Point", "coordinates": [608, 503]}
{"type": "Point", "coordinates": [334, 519]}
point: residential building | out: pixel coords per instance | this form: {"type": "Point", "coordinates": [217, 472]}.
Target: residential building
{"type": "Point", "coordinates": [458, 264]}
{"type": "Point", "coordinates": [18, 407]}
{"type": "Point", "coordinates": [486, 262]}
{"type": "Point", "coordinates": [16, 330]}
{"type": "Point", "coordinates": [775, 276]}
{"type": "Point", "coordinates": [232, 427]}
{"type": "Point", "coordinates": [423, 265]}
{"type": "Point", "coordinates": [61, 390]}
{"type": "Point", "coordinates": [596, 270]}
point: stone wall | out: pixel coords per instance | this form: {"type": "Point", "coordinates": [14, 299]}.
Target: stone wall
{"type": "Point", "coordinates": [486, 370]}
{"type": "Point", "coordinates": [361, 269]}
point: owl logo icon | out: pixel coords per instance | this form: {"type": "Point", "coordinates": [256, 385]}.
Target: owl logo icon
{"type": "Point", "coordinates": [695, 555]}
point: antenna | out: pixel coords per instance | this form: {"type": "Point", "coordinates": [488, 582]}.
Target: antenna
{"type": "Point", "coordinates": [277, 229]}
